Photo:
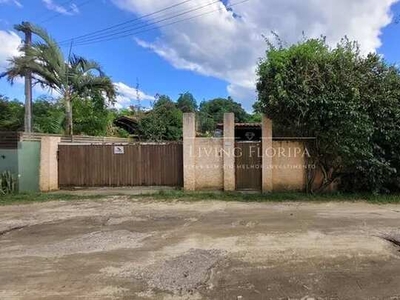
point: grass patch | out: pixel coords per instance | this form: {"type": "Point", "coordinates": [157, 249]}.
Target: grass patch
{"type": "Point", "coordinates": [25, 198]}
{"type": "Point", "coordinates": [272, 197]}
{"type": "Point", "coordinates": [177, 195]}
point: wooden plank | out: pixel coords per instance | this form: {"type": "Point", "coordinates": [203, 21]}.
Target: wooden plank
{"type": "Point", "coordinates": [141, 164]}
{"type": "Point", "coordinates": [9, 139]}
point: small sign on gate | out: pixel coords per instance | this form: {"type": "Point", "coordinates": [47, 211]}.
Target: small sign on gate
{"type": "Point", "coordinates": [119, 150]}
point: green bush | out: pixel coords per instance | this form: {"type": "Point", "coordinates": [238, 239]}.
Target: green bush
{"type": "Point", "coordinates": [350, 104]}
{"type": "Point", "coordinates": [8, 183]}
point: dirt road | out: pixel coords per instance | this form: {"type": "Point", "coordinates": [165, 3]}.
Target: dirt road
{"type": "Point", "coordinates": [122, 249]}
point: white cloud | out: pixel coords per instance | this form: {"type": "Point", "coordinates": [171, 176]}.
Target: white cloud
{"type": "Point", "coordinates": [228, 47]}
{"type": "Point", "coordinates": [10, 43]}
{"type": "Point", "coordinates": [70, 10]}
{"type": "Point", "coordinates": [128, 95]}
{"type": "Point", "coordinates": [15, 2]}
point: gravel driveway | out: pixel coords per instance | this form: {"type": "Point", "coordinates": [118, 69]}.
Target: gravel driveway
{"type": "Point", "coordinates": [117, 248]}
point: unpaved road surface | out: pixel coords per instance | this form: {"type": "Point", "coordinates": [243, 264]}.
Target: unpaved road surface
{"type": "Point", "coordinates": [117, 248]}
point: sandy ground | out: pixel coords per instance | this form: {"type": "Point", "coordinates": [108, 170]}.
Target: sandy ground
{"type": "Point", "coordinates": [117, 248]}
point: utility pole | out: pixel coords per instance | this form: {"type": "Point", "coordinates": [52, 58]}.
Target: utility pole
{"type": "Point", "coordinates": [28, 81]}
{"type": "Point", "coordinates": [138, 96]}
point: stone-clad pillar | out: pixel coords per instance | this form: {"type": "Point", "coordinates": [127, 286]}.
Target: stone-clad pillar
{"type": "Point", "coordinates": [228, 153]}
{"type": "Point", "coordinates": [267, 185]}
{"type": "Point", "coordinates": [189, 161]}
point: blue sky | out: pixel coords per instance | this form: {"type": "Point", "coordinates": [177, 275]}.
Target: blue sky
{"type": "Point", "coordinates": [211, 56]}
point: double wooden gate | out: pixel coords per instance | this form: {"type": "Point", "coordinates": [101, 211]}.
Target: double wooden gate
{"type": "Point", "coordinates": [248, 165]}
{"type": "Point", "coordinates": [127, 165]}
{"type": "Point", "coordinates": [145, 165]}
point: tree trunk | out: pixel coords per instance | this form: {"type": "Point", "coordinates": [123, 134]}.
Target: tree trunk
{"type": "Point", "coordinates": [68, 108]}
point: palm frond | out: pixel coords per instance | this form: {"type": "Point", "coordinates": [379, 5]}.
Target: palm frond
{"type": "Point", "coordinates": [42, 34]}
{"type": "Point", "coordinates": [17, 68]}
{"type": "Point", "coordinates": [82, 65]}
{"type": "Point", "coordinates": [90, 84]}
{"type": "Point", "coordinates": [77, 77]}
{"type": "Point", "coordinates": [44, 58]}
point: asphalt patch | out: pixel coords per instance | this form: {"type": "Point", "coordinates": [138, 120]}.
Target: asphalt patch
{"type": "Point", "coordinates": [184, 273]}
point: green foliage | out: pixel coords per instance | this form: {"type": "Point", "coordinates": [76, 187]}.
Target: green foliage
{"type": "Point", "coordinates": [48, 116]}
{"type": "Point", "coordinates": [73, 78]}
{"type": "Point", "coordinates": [8, 183]}
{"type": "Point", "coordinates": [187, 103]}
{"type": "Point", "coordinates": [255, 118]}
{"type": "Point", "coordinates": [212, 112]}
{"type": "Point", "coordinates": [27, 198]}
{"type": "Point", "coordinates": [92, 117]}
{"type": "Point", "coordinates": [12, 199]}
{"type": "Point", "coordinates": [11, 115]}
{"type": "Point", "coordinates": [348, 102]}
{"type": "Point", "coordinates": [163, 100]}
{"type": "Point", "coordinates": [271, 197]}
{"type": "Point", "coordinates": [163, 122]}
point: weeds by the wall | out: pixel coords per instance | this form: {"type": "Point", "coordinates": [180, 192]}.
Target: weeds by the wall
{"type": "Point", "coordinates": [8, 183]}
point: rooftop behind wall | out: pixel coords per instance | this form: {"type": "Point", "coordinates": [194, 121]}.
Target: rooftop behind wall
{"type": "Point", "coordinates": [10, 139]}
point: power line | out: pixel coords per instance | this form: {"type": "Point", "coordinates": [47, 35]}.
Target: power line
{"type": "Point", "coordinates": [149, 24]}
{"type": "Point", "coordinates": [127, 28]}
{"type": "Point", "coordinates": [132, 32]}
{"type": "Point", "coordinates": [47, 13]}
{"type": "Point", "coordinates": [68, 10]}
{"type": "Point", "coordinates": [84, 43]}
{"type": "Point", "coordinates": [97, 32]}
{"type": "Point", "coordinates": [114, 37]}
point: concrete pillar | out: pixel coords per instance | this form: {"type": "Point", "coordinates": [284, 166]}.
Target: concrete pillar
{"type": "Point", "coordinates": [228, 153]}
{"type": "Point", "coordinates": [267, 185]}
{"type": "Point", "coordinates": [48, 171]}
{"type": "Point", "coordinates": [189, 160]}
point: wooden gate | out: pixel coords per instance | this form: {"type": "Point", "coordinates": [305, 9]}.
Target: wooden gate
{"type": "Point", "coordinates": [248, 165]}
{"type": "Point", "coordinates": [128, 165]}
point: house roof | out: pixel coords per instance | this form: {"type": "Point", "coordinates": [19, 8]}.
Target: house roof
{"type": "Point", "coordinates": [130, 124]}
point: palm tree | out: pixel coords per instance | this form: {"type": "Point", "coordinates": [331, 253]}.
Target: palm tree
{"type": "Point", "coordinates": [71, 78]}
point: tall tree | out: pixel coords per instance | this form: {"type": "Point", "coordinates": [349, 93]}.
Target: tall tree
{"type": "Point", "coordinates": [163, 122]}
{"type": "Point", "coordinates": [48, 116]}
{"type": "Point", "coordinates": [212, 112]}
{"type": "Point", "coordinates": [72, 78]}
{"type": "Point", "coordinates": [350, 103]}
{"type": "Point", "coordinates": [187, 103]}
{"type": "Point", "coordinates": [92, 116]}
{"type": "Point", "coordinates": [11, 114]}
